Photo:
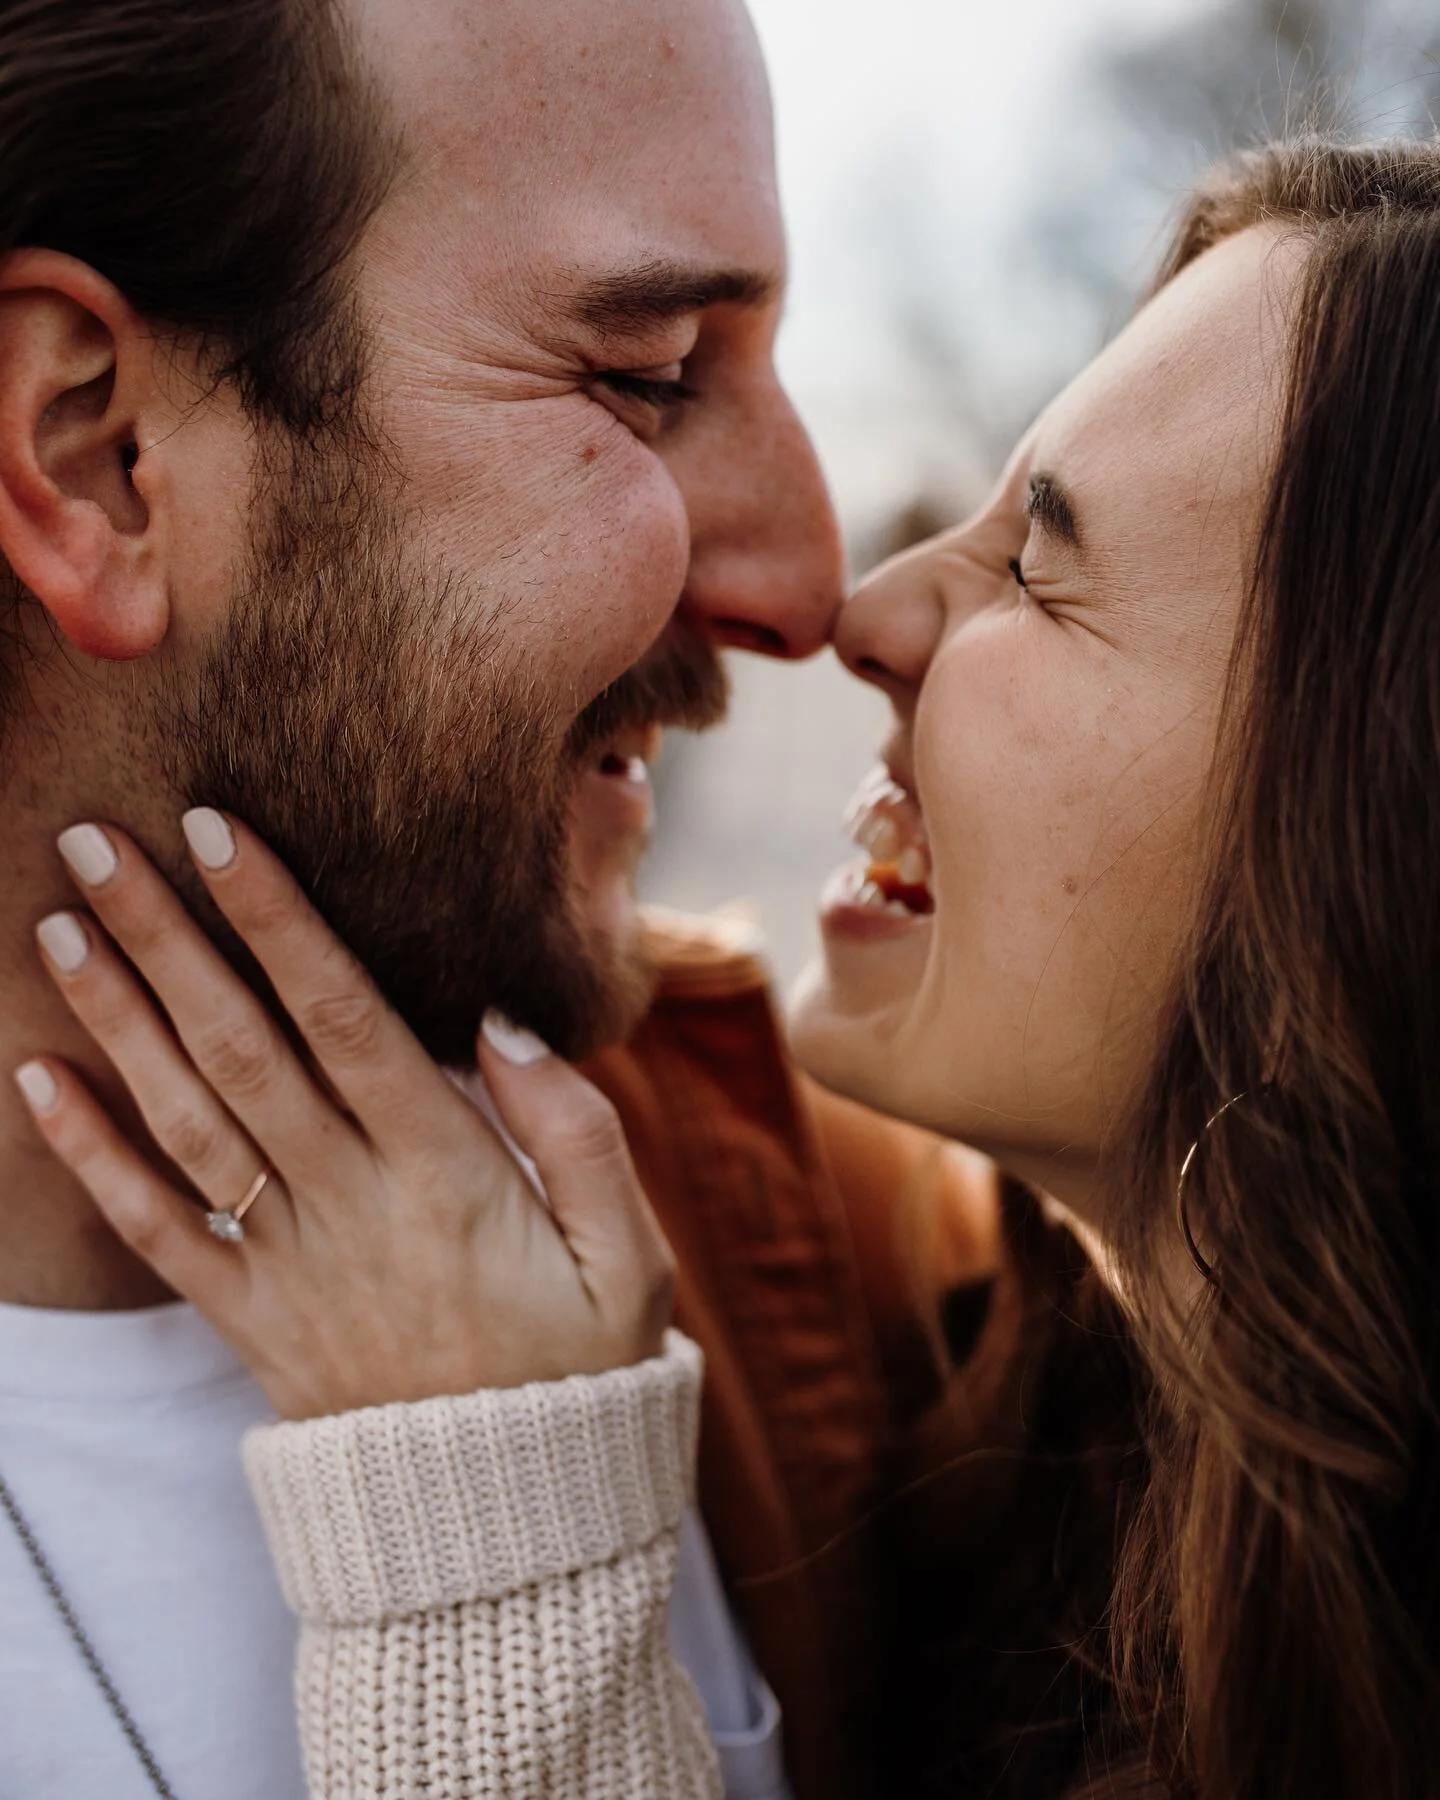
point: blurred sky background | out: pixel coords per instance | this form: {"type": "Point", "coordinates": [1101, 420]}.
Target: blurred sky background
{"type": "Point", "coordinates": [976, 193]}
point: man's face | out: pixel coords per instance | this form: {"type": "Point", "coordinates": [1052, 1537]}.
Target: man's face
{"type": "Point", "coordinates": [441, 664]}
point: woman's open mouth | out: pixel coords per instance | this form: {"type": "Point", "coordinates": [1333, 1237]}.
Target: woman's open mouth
{"type": "Point", "coordinates": [890, 890]}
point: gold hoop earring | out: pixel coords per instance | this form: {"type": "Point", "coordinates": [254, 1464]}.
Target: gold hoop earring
{"type": "Point", "coordinates": [1197, 1256]}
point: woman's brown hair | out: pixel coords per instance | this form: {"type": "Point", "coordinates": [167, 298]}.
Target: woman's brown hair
{"type": "Point", "coordinates": [1275, 1625]}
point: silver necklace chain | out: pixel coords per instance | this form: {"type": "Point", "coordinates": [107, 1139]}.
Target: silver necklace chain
{"type": "Point", "coordinates": [60, 1600]}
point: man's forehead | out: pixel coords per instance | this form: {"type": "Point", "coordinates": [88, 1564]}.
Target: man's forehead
{"type": "Point", "coordinates": [581, 82]}
{"type": "Point", "coordinates": [565, 144]}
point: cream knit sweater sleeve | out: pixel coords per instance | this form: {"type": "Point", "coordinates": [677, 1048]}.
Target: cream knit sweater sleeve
{"type": "Point", "coordinates": [482, 1586]}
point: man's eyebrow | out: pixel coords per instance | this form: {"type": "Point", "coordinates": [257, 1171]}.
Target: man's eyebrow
{"type": "Point", "coordinates": [1049, 505]}
{"type": "Point", "coordinates": [651, 293]}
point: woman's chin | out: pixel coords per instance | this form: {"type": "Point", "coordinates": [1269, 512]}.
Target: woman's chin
{"type": "Point", "coordinates": [850, 1006]}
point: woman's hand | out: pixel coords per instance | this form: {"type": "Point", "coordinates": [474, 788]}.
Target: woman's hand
{"type": "Point", "coordinates": [396, 1250]}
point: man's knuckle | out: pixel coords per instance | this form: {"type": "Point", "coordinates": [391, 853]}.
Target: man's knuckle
{"type": "Point", "coordinates": [346, 1027]}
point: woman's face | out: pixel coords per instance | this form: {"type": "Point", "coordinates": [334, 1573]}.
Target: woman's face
{"type": "Point", "coordinates": [1053, 737]}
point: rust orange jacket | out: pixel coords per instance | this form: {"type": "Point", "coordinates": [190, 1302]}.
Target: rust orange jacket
{"type": "Point", "coordinates": [813, 1239]}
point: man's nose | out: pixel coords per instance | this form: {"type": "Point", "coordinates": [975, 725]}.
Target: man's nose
{"type": "Point", "coordinates": [888, 629]}
{"type": "Point", "coordinates": [767, 566]}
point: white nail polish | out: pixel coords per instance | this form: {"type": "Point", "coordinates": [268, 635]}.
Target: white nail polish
{"type": "Point", "coordinates": [89, 854]}
{"type": "Point", "coordinates": [512, 1041]}
{"type": "Point", "coordinates": [209, 835]}
{"type": "Point", "coordinates": [38, 1086]}
{"type": "Point", "coordinates": [64, 941]}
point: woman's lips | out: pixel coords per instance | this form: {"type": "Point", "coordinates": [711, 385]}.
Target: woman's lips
{"type": "Point", "coordinates": [854, 907]}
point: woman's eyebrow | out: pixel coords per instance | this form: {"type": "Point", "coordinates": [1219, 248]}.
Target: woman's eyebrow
{"type": "Point", "coordinates": [1050, 507]}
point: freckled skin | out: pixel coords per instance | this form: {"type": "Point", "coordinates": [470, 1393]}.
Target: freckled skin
{"type": "Point", "coordinates": [1061, 739]}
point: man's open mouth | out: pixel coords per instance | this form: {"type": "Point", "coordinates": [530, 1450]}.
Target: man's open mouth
{"type": "Point", "coordinates": [679, 685]}
{"type": "Point", "coordinates": [630, 755]}
{"type": "Point", "coordinates": [885, 820]}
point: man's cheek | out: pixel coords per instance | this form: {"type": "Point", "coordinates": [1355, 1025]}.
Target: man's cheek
{"type": "Point", "coordinates": [614, 564]}
{"type": "Point", "coordinates": [631, 508]}
{"type": "Point", "coordinates": [568, 525]}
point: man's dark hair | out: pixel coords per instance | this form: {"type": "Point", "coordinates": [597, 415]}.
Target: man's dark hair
{"type": "Point", "coordinates": [215, 160]}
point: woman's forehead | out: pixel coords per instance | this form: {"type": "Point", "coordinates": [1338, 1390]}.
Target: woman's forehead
{"type": "Point", "coordinates": [1180, 412]}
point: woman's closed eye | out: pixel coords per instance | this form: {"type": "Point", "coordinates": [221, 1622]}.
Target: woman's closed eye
{"type": "Point", "coordinates": [1019, 573]}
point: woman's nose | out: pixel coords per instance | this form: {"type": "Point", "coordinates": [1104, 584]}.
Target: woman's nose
{"type": "Point", "coordinates": [888, 628]}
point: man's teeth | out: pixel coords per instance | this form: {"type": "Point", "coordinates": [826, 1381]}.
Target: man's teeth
{"type": "Point", "coordinates": [625, 768]}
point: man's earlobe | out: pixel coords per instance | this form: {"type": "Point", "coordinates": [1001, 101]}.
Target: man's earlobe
{"type": "Point", "coordinates": [75, 371]}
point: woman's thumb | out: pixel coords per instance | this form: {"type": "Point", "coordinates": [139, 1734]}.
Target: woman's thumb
{"type": "Point", "coordinates": [567, 1127]}
{"type": "Point", "coordinates": [576, 1140]}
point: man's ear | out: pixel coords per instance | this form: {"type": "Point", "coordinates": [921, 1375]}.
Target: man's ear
{"type": "Point", "coordinates": [77, 393]}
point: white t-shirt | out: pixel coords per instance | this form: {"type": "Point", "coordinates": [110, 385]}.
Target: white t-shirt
{"type": "Point", "coordinates": [120, 1436]}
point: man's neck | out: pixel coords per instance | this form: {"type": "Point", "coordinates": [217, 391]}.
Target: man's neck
{"type": "Point", "coordinates": [55, 1248]}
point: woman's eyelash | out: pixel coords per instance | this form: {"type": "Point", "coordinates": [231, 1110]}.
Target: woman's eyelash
{"type": "Point", "coordinates": [1018, 573]}
{"type": "Point", "coordinates": [649, 390]}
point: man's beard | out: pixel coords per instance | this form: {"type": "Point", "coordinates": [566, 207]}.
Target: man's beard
{"type": "Point", "coordinates": [363, 712]}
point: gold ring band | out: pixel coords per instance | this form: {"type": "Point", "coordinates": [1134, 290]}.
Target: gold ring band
{"type": "Point", "coordinates": [252, 1194]}
{"type": "Point", "coordinates": [225, 1222]}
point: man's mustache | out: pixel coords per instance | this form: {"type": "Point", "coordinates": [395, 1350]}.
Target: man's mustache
{"type": "Point", "coordinates": [681, 684]}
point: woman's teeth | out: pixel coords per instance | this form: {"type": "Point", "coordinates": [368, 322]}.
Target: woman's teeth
{"type": "Point", "coordinates": [886, 823]}
{"type": "Point", "coordinates": [881, 837]}
{"type": "Point", "coordinates": [871, 895]}
{"type": "Point", "coordinates": [913, 868]}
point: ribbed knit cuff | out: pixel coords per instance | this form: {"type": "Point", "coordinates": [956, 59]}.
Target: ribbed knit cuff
{"type": "Point", "coordinates": [396, 1510]}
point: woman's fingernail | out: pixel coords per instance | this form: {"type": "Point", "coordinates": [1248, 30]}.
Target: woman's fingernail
{"type": "Point", "coordinates": [209, 836]}
{"type": "Point", "coordinates": [38, 1087]}
{"type": "Point", "coordinates": [89, 854]}
{"type": "Point", "coordinates": [512, 1041]}
{"type": "Point", "coordinates": [63, 939]}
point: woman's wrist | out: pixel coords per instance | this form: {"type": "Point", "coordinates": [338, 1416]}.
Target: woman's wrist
{"type": "Point", "coordinates": [392, 1510]}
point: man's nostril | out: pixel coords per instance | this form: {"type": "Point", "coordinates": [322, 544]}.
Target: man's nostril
{"type": "Point", "coordinates": [747, 634]}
